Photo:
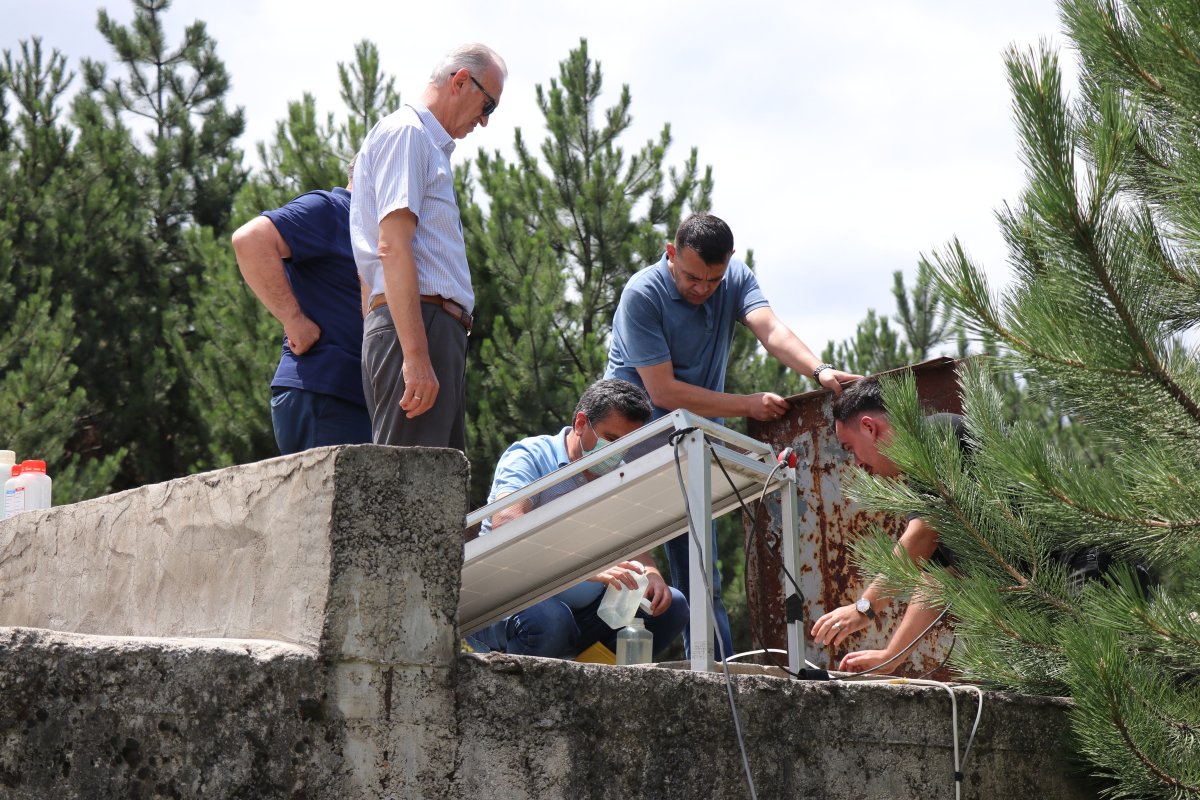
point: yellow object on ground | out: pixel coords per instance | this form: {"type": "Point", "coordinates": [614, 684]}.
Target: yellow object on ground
{"type": "Point", "coordinates": [597, 654]}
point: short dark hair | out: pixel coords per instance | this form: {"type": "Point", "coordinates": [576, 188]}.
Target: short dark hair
{"type": "Point", "coordinates": [858, 398]}
{"type": "Point", "coordinates": [708, 235]}
{"type": "Point", "coordinates": [614, 394]}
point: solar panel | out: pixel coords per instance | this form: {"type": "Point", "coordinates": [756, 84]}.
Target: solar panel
{"type": "Point", "coordinates": [611, 519]}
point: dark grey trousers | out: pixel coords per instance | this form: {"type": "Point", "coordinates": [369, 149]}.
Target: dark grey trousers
{"type": "Point", "coordinates": [444, 425]}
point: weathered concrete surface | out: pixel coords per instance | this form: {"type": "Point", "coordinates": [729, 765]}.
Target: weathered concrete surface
{"type": "Point", "coordinates": [364, 694]}
{"type": "Point", "coordinates": [216, 554]}
{"type": "Point", "coordinates": [352, 552]}
{"type": "Point", "coordinates": [88, 717]}
{"type": "Point", "coordinates": [534, 728]}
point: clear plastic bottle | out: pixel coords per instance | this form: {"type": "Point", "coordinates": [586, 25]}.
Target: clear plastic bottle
{"type": "Point", "coordinates": [620, 605]}
{"type": "Point", "coordinates": [14, 493]}
{"type": "Point", "coordinates": [635, 644]}
{"type": "Point", "coordinates": [34, 484]}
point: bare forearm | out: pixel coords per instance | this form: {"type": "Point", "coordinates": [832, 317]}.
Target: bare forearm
{"type": "Point", "coordinates": [919, 615]}
{"type": "Point", "coordinates": [404, 300]}
{"type": "Point", "coordinates": [261, 266]}
{"type": "Point", "coordinates": [676, 394]}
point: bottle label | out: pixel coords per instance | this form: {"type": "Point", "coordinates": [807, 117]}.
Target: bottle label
{"type": "Point", "coordinates": [14, 501]}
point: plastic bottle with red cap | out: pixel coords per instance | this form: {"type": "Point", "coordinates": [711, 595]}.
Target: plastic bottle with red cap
{"type": "Point", "coordinates": [28, 489]}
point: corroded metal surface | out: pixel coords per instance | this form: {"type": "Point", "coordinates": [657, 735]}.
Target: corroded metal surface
{"type": "Point", "coordinates": [828, 524]}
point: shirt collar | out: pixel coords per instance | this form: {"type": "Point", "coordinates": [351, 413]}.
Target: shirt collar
{"type": "Point", "coordinates": [560, 447]}
{"type": "Point", "coordinates": [672, 289]}
{"type": "Point", "coordinates": [442, 140]}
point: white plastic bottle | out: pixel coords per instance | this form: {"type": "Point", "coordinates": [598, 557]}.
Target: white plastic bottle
{"type": "Point", "coordinates": [37, 484]}
{"type": "Point", "coordinates": [8, 460]}
{"type": "Point", "coordinates": [14, 493]}
{"type": "Point", "coordinates": [619, 605]}
{"type": "Point", "coordinates": [635, 644]}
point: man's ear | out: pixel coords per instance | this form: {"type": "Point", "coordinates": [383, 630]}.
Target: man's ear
{"type": "Point", "coordinates": [580, 423]}
{"type": "Point", "coordinates": [869, 425]}
{"type": "Point", "coordinates": [670, 251]}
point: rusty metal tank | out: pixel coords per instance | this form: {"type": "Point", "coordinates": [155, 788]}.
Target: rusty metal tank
{"type": "Point", "coordinates": [828, 524]}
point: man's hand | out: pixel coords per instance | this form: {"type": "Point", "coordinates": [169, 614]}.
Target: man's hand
{"type": "Point", "coordinates": [658, 593]}
{"type": "Point", "coordinates": [833, 628]}
{"type": "Point", "coordinates": [766, 406]}
{"type": "Point", "coordinates": [864, 660]}
{"type": "Point", "coordinates": [302, 333]}
{"type": "Point", "coordinates": [622, 575]}
{"type": "Point", "coordinates": [834, 378]}
{"type": "Point", "coordinates": [420, 385]}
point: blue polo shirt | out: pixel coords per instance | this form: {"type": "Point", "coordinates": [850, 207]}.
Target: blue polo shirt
{"type": "Point", "coordinates": [526, 461]}
{"type": "Point", "coordinates": [654, 323]}
{"type": "Point", "coordinates": [522, 464]}
{"type": "Point", "coordinates": [324, 279]}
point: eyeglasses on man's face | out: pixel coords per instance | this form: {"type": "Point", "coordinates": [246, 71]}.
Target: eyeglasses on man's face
{"type": "Point", "coordinates": [490, 105]}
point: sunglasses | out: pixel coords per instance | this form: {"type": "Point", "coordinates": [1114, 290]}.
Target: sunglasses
{"type": "Point", "coordinates": [490, 105]}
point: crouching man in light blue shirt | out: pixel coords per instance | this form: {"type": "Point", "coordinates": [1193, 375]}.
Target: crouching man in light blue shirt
{"type": "Point", "coordinates": [565, 625]}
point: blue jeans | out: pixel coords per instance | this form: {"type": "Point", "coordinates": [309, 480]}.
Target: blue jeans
{"type": "Point", "coordinates": [553, 629]}
{"type": "Point", "coordinates": [677, 556]}
{"type": "Point", "coordinates": [304, 419]}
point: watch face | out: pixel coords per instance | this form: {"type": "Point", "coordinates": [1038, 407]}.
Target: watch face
{"type": "Point", "coordinates": [863, 605]}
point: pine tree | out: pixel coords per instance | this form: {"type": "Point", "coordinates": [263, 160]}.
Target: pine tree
{"type": "Point", "coordinates": [136, 287]}
{"type": "Point", "coordinates": [1105, 243]}
{"type": "Point", "coordinates": [42, 407]}
{"type": "Point", "coordinates": [551, 253]}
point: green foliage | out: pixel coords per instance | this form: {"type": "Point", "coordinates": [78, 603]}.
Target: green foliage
{"type": "Point", "coordinates": [42, 408]}
{"type": "Point", "coordinates": [558, 240]}
{"type": "Point", "coordinates": [1104, 242]}
{"type": "Point", "coordinates": [134, 281]}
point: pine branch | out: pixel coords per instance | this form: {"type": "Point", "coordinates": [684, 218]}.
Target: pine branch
{"type": "Point", "coordinates": [1118, 723]}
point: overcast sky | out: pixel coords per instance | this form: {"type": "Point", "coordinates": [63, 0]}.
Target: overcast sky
{"type": "Point", "coordinates": [845, 139]}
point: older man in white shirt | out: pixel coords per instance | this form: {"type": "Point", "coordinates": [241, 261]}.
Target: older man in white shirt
{"type": "Point", "coordinates": [408, 243]}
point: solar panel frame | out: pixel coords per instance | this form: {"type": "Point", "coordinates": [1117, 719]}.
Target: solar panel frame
{"type": "Point", "coordinates": [561, 543]}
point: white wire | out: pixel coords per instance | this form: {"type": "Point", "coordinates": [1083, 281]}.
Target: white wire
{"type": "Point", "coordinates": [737, 656]}
{"type": "Point", "coordinates": [958, 762]}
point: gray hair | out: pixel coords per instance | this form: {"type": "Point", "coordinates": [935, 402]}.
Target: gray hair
{"type": "Point", "coordinates": [475, 58]}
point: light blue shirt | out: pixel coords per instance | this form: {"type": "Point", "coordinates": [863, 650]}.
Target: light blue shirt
{"type": "Point", "coordinates": [522, 464]}
{"type": "Point", "coordinates": [405, 163]}
{"type": "Point", "coordinates": [526, 461]}
{"type": "Point", "coordinates": [654, 323]}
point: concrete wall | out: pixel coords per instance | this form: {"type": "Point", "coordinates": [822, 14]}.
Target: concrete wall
{"type": "Point", "coordinates": [349, 558]}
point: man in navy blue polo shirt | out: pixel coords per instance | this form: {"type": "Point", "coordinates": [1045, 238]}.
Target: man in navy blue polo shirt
{"type": "Point", "coordinates": [298, 261]}
{"type": "Point", "coordinates": [672, 333]}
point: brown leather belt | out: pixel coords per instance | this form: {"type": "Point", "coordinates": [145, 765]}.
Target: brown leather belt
{"type": "Point", "coordinates": [449, 306]}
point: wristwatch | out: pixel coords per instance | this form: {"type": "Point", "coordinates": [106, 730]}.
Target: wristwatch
{"type": "Point", "coordinates": [820, 368]}
{"type": "Point", "coordinates": [863, 605]}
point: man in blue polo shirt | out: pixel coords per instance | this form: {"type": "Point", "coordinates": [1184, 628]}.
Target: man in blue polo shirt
{"type": "Point", "coordinates": [298, 262]}
{"type": "Point", "coordinates": [565, 625]}
{"type": "Point", "coordinates": [672, 333]}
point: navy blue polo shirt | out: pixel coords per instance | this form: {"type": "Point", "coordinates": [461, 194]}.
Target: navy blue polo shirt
{"type": "Point", "coordinates": [324, 279]}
